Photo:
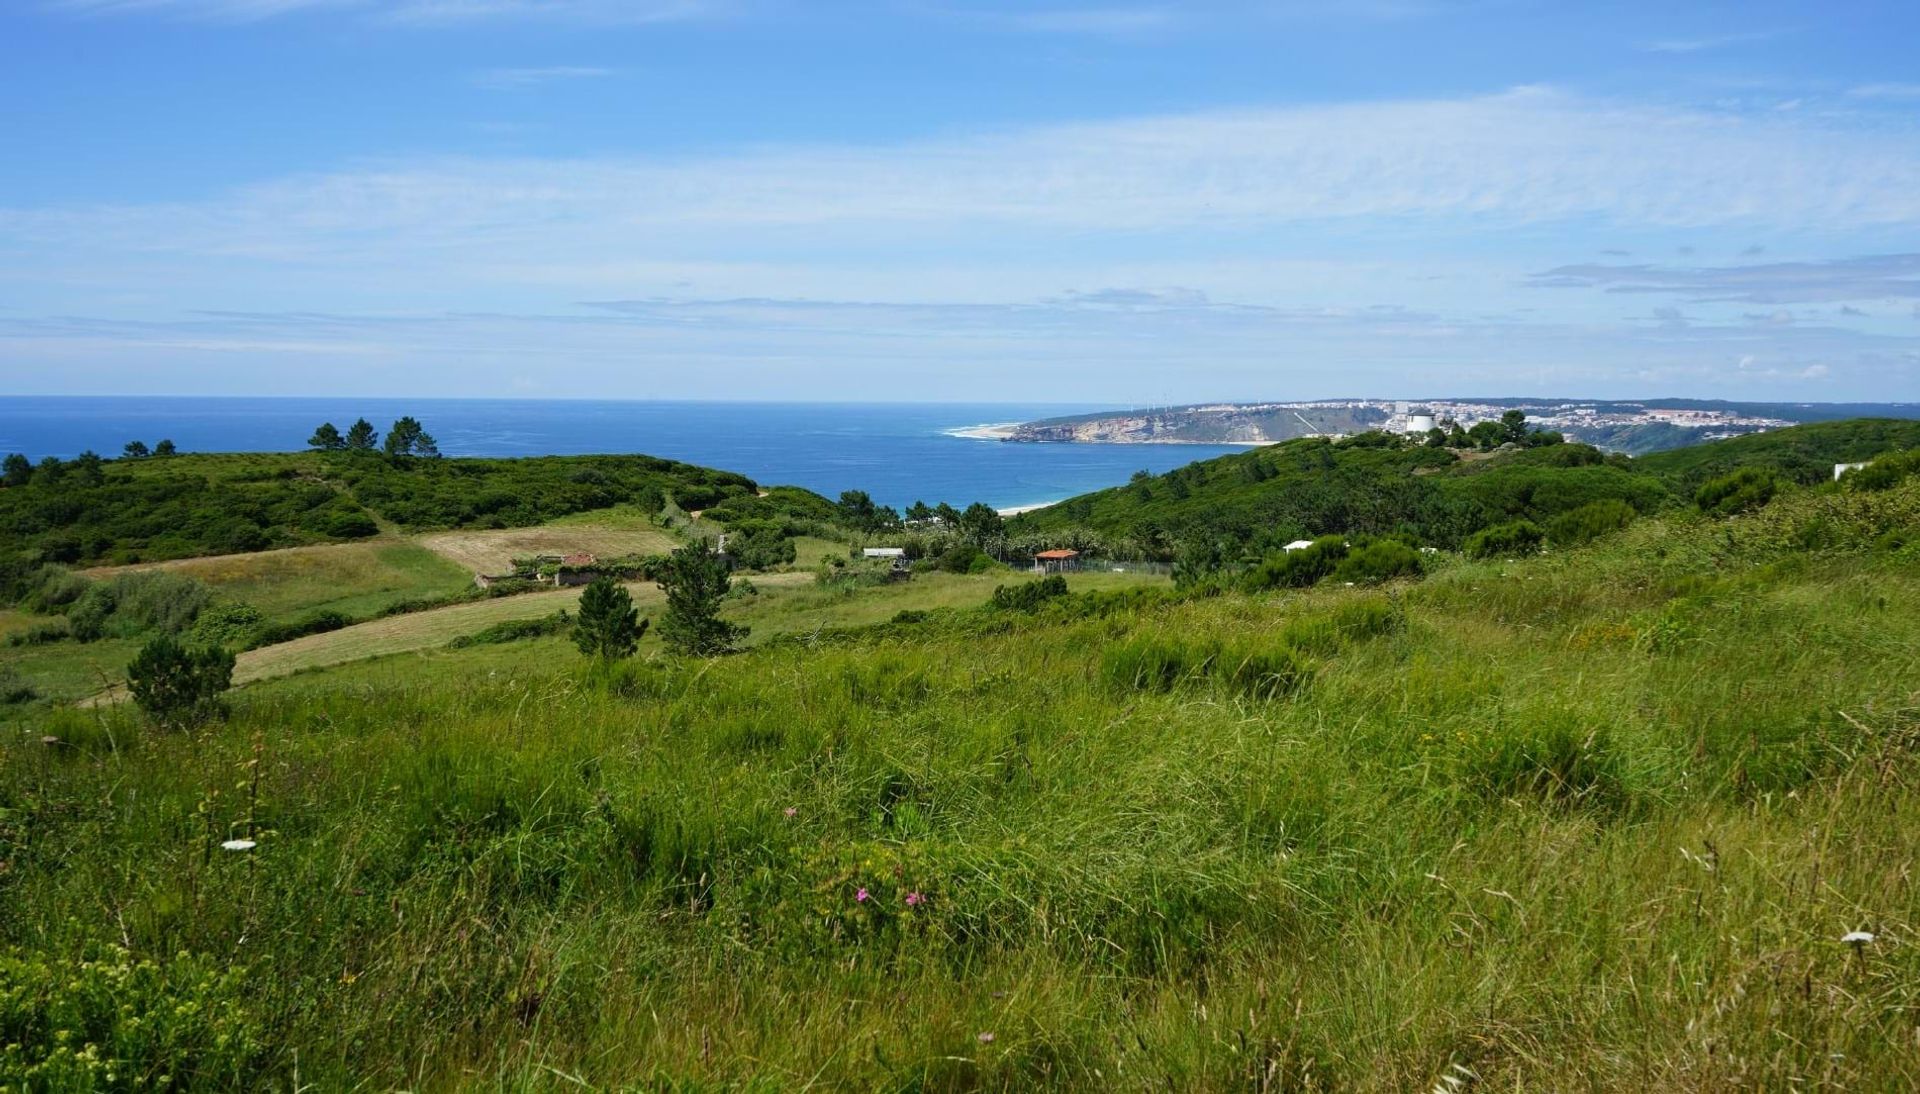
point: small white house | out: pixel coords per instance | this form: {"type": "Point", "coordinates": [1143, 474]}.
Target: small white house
{"type": "Point", "coordinates": [1299, 545]}
{"type": "Point", "coordinates": [1840, 469]}
{"type": "Point", "coordinates": [883, 552]}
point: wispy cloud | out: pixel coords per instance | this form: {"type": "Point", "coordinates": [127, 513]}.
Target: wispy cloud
{"type": "Point", "coordinates": [1710, 41]}
{"type": "Point", "coordinates": [1876, 277]}
{"type": "Point", "coordinates": [405, 11]}
{"type": "Point", "coordinates": [509, 79]}
{"type": "Point", "coordinates": [1885, 91]}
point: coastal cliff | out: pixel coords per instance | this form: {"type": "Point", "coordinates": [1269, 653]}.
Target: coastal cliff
{"type": "Point", "coordinates": [1220, 424]}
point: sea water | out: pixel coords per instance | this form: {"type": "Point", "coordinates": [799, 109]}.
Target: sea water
{"type": "Point", "coordinates": [898, 453]}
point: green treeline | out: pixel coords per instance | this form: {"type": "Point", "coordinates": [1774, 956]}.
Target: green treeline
{"type": "Point", "coordinates": [90, 510]}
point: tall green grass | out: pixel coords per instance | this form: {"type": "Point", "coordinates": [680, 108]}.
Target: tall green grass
{"type": "Point", "coordinates": [1594, 819]}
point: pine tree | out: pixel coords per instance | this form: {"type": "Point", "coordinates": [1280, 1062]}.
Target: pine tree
{"type": "Point", "coordinates": [609, 626]}
{"type": "Point", "coordinates": [327, 438]}
{"type": "Point", "coordinates": [178, 687]}
{"type": "Point", "coordinates": [404, 436]}
{"type": "Point", "coordinates": [135, 450]}
{"type": "Point", "coordinates": [696, 581]}
{"type": "Point", "coordinates": [361, 437]}
{"type": "Point", "coordinates": [164, 448]}
{"type": "Point", "coordinates": [17, 470]}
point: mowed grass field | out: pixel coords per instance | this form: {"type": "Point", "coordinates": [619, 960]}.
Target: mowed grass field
{"type": "Point", "coordinates": [606, 534]}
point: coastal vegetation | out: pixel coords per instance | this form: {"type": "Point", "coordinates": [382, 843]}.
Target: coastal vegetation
{"type": "Point", "coordinates": [1551, 805]}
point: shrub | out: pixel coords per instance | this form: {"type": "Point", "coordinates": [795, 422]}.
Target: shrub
{"type": "Point", "coordinates": [1298, 569]}
{"type": "Point", "coordinates": [1745, 489]}
{"type": "Point", "coordinates": [1377, 561]}
{"type": "Point", "coordinates": [272, 634]}
{"type": "Point", "coordinates": [964, 558]}
{"type": "Point", "coordinates": [51, 589]}
{"type": "Point", "coordinates": [176, 686]}
{"type": "Point", "coordinates": [1520, 537]}
{"type": "Point", "coordinates": [14, 690]}
{"type": "Point", "coordinates": [1883, 473]}
{"type": "Point", "coordinates": [41, 634]}
{"type": "Point", "coordinates": [1589, 522]}
{"type": "Point", "coordinates": [112, 1022]}
{"type": "Point", "coordinates": [1352, 621]}
{"type": "Point", "coordinates": [515, 630]}
{"type": "Point", "coordinates": [229, 624]}
{"type": "Point", "coordinates": [1027, 597]}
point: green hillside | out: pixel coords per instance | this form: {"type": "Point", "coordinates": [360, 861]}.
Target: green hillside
{"type": "Point", "coordinates": [133, 510]}
{"type": "Point", "coordinates": [1373, 484]}
{"type": "Point", "coordinates": [1598, 814]}
{"type": "Point", "coordinates": [1805, 453]}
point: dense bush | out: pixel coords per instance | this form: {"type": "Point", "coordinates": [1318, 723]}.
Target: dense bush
{"type": "Point", "coordinates": [1297, 569]}
{"type": "Point", "coordinates": [177, 686]}
{"type": "Point", "coordinates": [965, 558]}
{"type": "Point", "coordinates": [1589, 522]}
{"type": "Point", "coordinates": [1510, 540]}
{"type": "Point", "coordinates": [1747, 488]}
{"type": "Point", "coordinates": [1884, 472]}
{"type": "Point", "coordinates": [1372, 562]}
{"type": "Point", "coordinates": [516, 630]}
{"type": "Point", "coordinates": [760, 544]}
{"type": "Point", "coordinates": [229, 624]}
{"type": "Point", "coordinates": [1027, 596]}
{"type": "Point", "coordinates": [272, 634]}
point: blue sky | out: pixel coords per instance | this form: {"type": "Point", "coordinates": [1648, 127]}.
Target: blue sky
{"type": "Point", "coordinates": [960, 201]}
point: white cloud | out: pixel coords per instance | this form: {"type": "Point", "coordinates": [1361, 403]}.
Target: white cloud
{"type": "Point", "coordinates": [1525, 157]}
{"type": "Point", "coordinates": [1814, 372]}
{"type": "Point", "coordinates": [1710, 41]}
{"type": "Point", "coordinates": [1885, 91]}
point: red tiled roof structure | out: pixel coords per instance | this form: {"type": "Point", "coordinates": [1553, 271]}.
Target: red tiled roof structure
{"type": "Point", "coordinates": [1057, 555]}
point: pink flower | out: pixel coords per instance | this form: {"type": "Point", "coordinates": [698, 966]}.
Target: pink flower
{"type": "Point", "coordinates": [916, 899]}
{"type": "Point", "coordinates": [860, 896]}
{"type": "Point", "coordinates": [792, 812]}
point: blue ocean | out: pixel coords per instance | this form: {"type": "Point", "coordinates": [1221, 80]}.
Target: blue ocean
{"type": "Point", "coordinates": [899, 453]}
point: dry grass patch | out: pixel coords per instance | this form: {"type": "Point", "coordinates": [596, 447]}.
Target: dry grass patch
{"type": "Point", "coordinates": [493, 551]}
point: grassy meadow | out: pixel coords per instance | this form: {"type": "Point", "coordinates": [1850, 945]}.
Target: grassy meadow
{"type": "Point", "coordinates": [1595, 819]}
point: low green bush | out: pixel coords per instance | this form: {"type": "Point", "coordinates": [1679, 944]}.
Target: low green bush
{"type": "Point", "coordinates": [1577, 527]}
{"type": "Point", "coordinates": [111, 1021]}
{"type": "Point", "coordinates": [1028, 596]}
{"type": "Point", "coordinates": [515, 630]}
{"type": "Point", "coordinates": [1745, 489]}
{"type": "Point", "coordinates": [1884, 473]}
{"type": "Point", "coordinates": [1297, 569]}
{"type": "Point", "coordinates": [1510, 540]}
{"type": "Point", "coordinates": [41, 634]}
{"type": "Point", "coordinates": [1379, 560]}
{"type": "Point", "coordinates": [273, 634]}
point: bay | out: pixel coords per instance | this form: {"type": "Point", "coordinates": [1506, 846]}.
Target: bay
{"type": "Point", "coordinates": [897, 452]}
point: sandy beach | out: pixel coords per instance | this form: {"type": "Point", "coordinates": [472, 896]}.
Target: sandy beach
{"type": "Point", "coordinates": [993, 432]}
{"type": "Point", "coordinates": [1016, 510]}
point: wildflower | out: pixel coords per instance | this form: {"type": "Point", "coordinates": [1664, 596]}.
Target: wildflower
{"type": "Point", "coordinates": [916, 899]}
{"type": "Point", "coordinates": [791, 812]}
{"type": "Point", "coordinates": [861, 896]}
{"type": "Point", "coordinates": [1857, 938]}
{"type": "Point", "coordinates": [985, 1038]}
{"type": "Point", "coordinates": [238, 845]}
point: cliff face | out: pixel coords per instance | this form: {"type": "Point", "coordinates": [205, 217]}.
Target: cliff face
{"type": "Point", "coordinates": [1200, 425]}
